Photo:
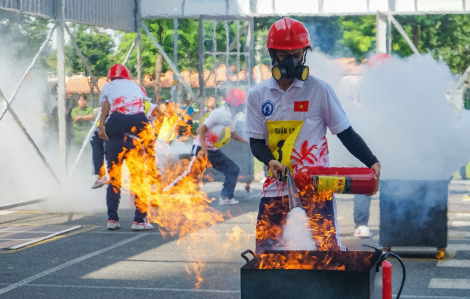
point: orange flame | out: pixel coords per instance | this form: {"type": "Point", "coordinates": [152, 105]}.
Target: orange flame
{"type": "Point", "coordinates": [171, 196]}
{"type": "Point", "coordinates": [322, 229]}
{"type": "Point", "coordinates": [310, 261]}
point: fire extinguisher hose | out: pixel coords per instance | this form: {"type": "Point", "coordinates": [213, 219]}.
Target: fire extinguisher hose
{"type": "Point", "coordinates": [383, 257]}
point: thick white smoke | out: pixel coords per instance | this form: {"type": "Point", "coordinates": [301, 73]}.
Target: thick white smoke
{"type": "Point", "coordinates": [403, 115]}
{"type": "Point", "coordinates": [23, 176]}
{"type": "Point", "coordinates": [296, 234]}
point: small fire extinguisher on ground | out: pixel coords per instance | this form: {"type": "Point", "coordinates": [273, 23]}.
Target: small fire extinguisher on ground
{"type": "Point", "coordinates": [387, 273]}
{"type": "Point", "coordinates": [387, 280]}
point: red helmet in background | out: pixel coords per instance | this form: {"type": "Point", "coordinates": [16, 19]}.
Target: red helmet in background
{"type": "Point", "coordinates": [377, 59]}
{"type": "Point", "coordinates": [288, 34]}
{"type": "Point", "coordinates": [236, 97]}
{"type": "Point", "coordinates": [119, 71]}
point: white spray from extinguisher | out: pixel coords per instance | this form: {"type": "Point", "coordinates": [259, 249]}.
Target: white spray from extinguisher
{"type": "Point", "coordinates": [296, 233]}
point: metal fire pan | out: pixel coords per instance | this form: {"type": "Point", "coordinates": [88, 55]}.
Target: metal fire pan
{"type": "Point", "coordinates": [357, 281]}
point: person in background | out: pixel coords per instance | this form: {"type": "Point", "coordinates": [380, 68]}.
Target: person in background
{"type": "Point", "coordinates": [210, 103]}
{"type": "Point", "coordinates": [190, 110]}
{"type": "Point", "coordinates": [81, 118]}
{"type": "Point", "coordinates": [121, 99]}
{"type": "Point", "coordinates": [187, 115]}
{"type": "Point", "coordinates": [216, 131]}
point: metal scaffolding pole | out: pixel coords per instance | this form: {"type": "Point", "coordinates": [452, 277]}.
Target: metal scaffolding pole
{"type": "Point", "coordinates": [92, 129]}
{"type": "Point", "coordinates": [227, 52]}
{"type": "Point", "coordinates": [138, 41]}
{"type": "Point", "coordinates": [128, 56]}
{"type": "Point", "coordinates": [175, 57]}
{"type": "Point", "coordinates": [26, 73]}
{"type": "Point", "coordinates": [389, 31]}
{"type": "Point", "coordinates": [224, 54]}
{"type": "Point", "coordinates": [381, 33]}
{"type": "Point", "coordinates": [30, 139]}
{"type": "Point", "coordinates": [168, 60]}
{"type": "Point", "coordinates": [85, 143]}
{"type": "Point", "coordinates": [251, 44]}
{"type": "Point", "coordinates": [201, 51]}
{"type": "Point", "coordinates": [94, 82]}
{"type": "Point", "coordinates": [238, 54]}
{"type": "Point", "coordinates": [403, 33]}
{"type": "Point", "coordinates": [61, 90]}
{"type": "Point", "coordinates": [214, 49]}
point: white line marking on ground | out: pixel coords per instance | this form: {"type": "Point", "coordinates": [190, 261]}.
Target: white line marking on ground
{"type": "Point", "coordinates": [132, 288]}
{"type": "Point", "coordinates": [459, 247]}
{"type": "Point", "coordinates": [461, 215]}
{"type": "Point", "coordinates": [6, 212]}
{"type": "Point", "coordinates": [460, 223]}
{"type": "Point", "coordinates": [69, 263]}
{"type": "Point", "coordinates": [454, 263]}
{"type": "Point", "coordinates": [444, 283]}
{"type": "Point", "coordinates": [459, 234]}
{"type": "Point", "coordinates": [46, 237]}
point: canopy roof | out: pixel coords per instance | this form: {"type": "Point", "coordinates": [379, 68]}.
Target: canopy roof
{"type": "Point", "coordinates": [236, 8]}
{"type": "Point", "coordinates": [121, 14]}
{"type": "Point", "coordinates": [115, 14]}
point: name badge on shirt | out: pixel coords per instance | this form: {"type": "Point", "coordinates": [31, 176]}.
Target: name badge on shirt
{"type": "Point", "coordinates": [282, 136]}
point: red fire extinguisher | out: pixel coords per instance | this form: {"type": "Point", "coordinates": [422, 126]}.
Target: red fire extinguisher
{"type": "Point", "coordinates": [342, 180]}
{"type": "Point", "coordinates": [387, 280]}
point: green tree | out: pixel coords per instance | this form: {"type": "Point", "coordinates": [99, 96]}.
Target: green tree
{"type": "Point", "coordinates": [97, 48]}
{"type": "Point", "coordinates": [443, 36]}
{"type": "Point", "coordinates": [358, 35]}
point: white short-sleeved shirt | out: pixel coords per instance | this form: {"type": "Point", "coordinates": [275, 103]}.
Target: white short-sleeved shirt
{"type": "Point", "coordinates": [310, 105]}
{"type": "Point", "coordinates": [124, 96]}
{"type": "Point", "coordinates": [216, 123]}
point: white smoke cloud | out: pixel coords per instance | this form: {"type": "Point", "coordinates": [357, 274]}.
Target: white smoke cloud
{"type": "Point", "coordinates": [403, 116]}
{"type": "Point", "coordinates": [23, 175]}
{"type": "Point", "coordinates": [296, 234]}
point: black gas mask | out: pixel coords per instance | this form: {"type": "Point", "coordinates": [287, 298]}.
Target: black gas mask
{"type": "Point", "coordinates": [290, 68]}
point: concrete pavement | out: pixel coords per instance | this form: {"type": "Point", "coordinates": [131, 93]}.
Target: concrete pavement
{"type": "Point", "coordinates": [96, 263]}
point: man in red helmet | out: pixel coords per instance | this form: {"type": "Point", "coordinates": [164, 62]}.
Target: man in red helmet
{"type": "Point", "coordinates": [215, 132]}
{"type": "Point", "coordinates": [287, 119]}
{"type": "Point", "coordinates": [121, 99]}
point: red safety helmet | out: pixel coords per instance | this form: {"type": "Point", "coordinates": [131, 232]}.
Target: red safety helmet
{"type": "Point", "coordinates": [377, 59]}
{"type": "Point", "coordinates": [236, 97]}
{"type": "Point", "coordinates": [288, 34]}
{"type": "Point", "coordinates": [119, 71]}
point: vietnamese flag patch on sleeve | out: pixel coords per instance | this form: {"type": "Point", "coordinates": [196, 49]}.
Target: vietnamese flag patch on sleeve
{"type": "Point", "coordinates": [301, 106]}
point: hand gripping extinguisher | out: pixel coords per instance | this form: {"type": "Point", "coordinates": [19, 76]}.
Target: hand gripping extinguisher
{"type": "Point", "coordinates": [341, 180]}
{"type": "Point", "coordinates": [387, 273]}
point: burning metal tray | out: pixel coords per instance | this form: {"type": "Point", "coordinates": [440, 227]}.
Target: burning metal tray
{"type": "Point", "coordinates": [311, 274]}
